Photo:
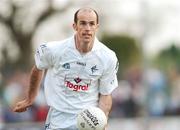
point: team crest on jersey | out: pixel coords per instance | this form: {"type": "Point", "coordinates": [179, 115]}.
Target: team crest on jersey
{"type": "Point", "coordinates": [94, 69]}
{"type": "Point", "coordinates": [66, 66]}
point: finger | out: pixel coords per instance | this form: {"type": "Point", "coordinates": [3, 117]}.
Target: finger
{"type": "Point", "coordinates": [20, 109]}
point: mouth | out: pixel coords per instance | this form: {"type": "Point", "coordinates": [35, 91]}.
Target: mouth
{"type": "Point", "coordinates": [86, 35]}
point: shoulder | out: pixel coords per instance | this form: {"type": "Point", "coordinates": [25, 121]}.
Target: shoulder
{"type": "Point", "coordinates": [105, 53]}
{"type": "Point", "coordinates": [55, 46]}
{"type": "Point", "coordinates": [108, 57]}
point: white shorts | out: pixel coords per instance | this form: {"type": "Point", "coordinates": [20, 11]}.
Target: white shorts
{"type": "Point", "coordinates": [57, 120]}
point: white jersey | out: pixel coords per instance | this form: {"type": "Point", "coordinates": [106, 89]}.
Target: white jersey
{"type": "Point", "coordinates": [73, 81]}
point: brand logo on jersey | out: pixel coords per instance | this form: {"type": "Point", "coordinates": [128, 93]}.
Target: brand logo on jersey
{"type": "Point", "coordinates": [66, 66]}
{"type": "Point", "coordinates": [77, 80]}
{"type": "Point", "coordinates": [93, 69]}
{"type": "Point", "coordinates": [76, 87]}
{"type": "Point", "coordinates": [81, 63]}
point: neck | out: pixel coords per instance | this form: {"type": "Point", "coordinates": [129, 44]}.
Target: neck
{"type": "Point", "coordinates": [83, 47]}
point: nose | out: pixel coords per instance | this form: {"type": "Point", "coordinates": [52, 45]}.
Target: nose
{"type": "Point", "coordinates": [87, 26]}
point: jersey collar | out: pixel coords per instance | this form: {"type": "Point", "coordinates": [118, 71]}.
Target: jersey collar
{"type": "Point", "coordinates": [95, 46]}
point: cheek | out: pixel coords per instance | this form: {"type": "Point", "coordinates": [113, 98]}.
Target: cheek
{"type": "Point", "coordinates": [79, 32]}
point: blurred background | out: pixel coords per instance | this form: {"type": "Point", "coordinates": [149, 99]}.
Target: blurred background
{"type": "Point", "coordinates": [145, 34]}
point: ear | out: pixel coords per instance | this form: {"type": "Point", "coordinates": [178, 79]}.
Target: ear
{"type": "Point", "coordinates": [97, 26]}
{"type": "Point", "coordinates": [75, 26]}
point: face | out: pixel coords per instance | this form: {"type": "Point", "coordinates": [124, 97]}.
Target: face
{"type": "Point", "coordinates": [86, 26]}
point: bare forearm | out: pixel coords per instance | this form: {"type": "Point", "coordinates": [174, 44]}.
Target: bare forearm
{"type": "Point", "coordinates": [35, 80]}
{"type": "Point", "coordinates": [105, 103]}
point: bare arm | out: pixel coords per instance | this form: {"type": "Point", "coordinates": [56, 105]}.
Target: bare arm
{"type": "Point", "coordinates": [34, 85]}
{"type": "Point", "coordinates": [105, 103]}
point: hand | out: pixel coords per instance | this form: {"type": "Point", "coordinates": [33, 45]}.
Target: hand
{"type": "Point", "coordinates": [106, 127]}
{"type": "Point", "coordinates": [22, 106]}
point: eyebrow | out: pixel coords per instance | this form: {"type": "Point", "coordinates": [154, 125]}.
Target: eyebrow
{"type": "Point", "coordinates": [86, 21]}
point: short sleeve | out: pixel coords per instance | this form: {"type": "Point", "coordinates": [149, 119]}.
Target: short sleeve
{"type": "Point", "coordinates": [43, 57]}
{"type": "Point", "coordinates": [108, 81]}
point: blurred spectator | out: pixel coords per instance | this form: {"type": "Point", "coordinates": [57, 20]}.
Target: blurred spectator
{"type": "Point", "coordinates": [129, 96]}
{"type": "Point", "coordinates": [157, 92]}
{"type": "Point", "coordinates": [134, 78]}
{"type": "Point", "coordinates": [14, 87]}
{"type": "Point", "coordinates": [123, 103]}
{"type": "Point", "coordinates": [174, 100]}
{"type": "Point", "coordinates": [1, 116]}
{"type": "Point", "coordinates": [41, 108]}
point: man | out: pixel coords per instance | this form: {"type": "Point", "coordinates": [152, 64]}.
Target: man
{"type": "Point", "coordinates": [81, 72]}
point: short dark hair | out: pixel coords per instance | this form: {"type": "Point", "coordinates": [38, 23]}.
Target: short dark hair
{"type": "Point", "coordinates": [76, 14]}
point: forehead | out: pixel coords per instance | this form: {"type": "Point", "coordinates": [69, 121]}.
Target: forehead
{"type": "Point", "coordinates": [86, 15]}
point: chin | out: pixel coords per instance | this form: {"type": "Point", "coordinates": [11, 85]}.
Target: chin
{"type": "Point", "coordinates": [87, 41]}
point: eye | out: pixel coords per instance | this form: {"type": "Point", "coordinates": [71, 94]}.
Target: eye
{"type": "Point", "coordinates": [83, 23]}
{"type": "Point", "coordinates": [92, 23]}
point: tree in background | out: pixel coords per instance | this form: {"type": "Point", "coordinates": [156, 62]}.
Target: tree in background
{"type": "Point", "coordinates": [126, 49]}
{"type": "Point", "coordinates": [19, 21]}
{"type": "Point", "coordinates": [168, 58]}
